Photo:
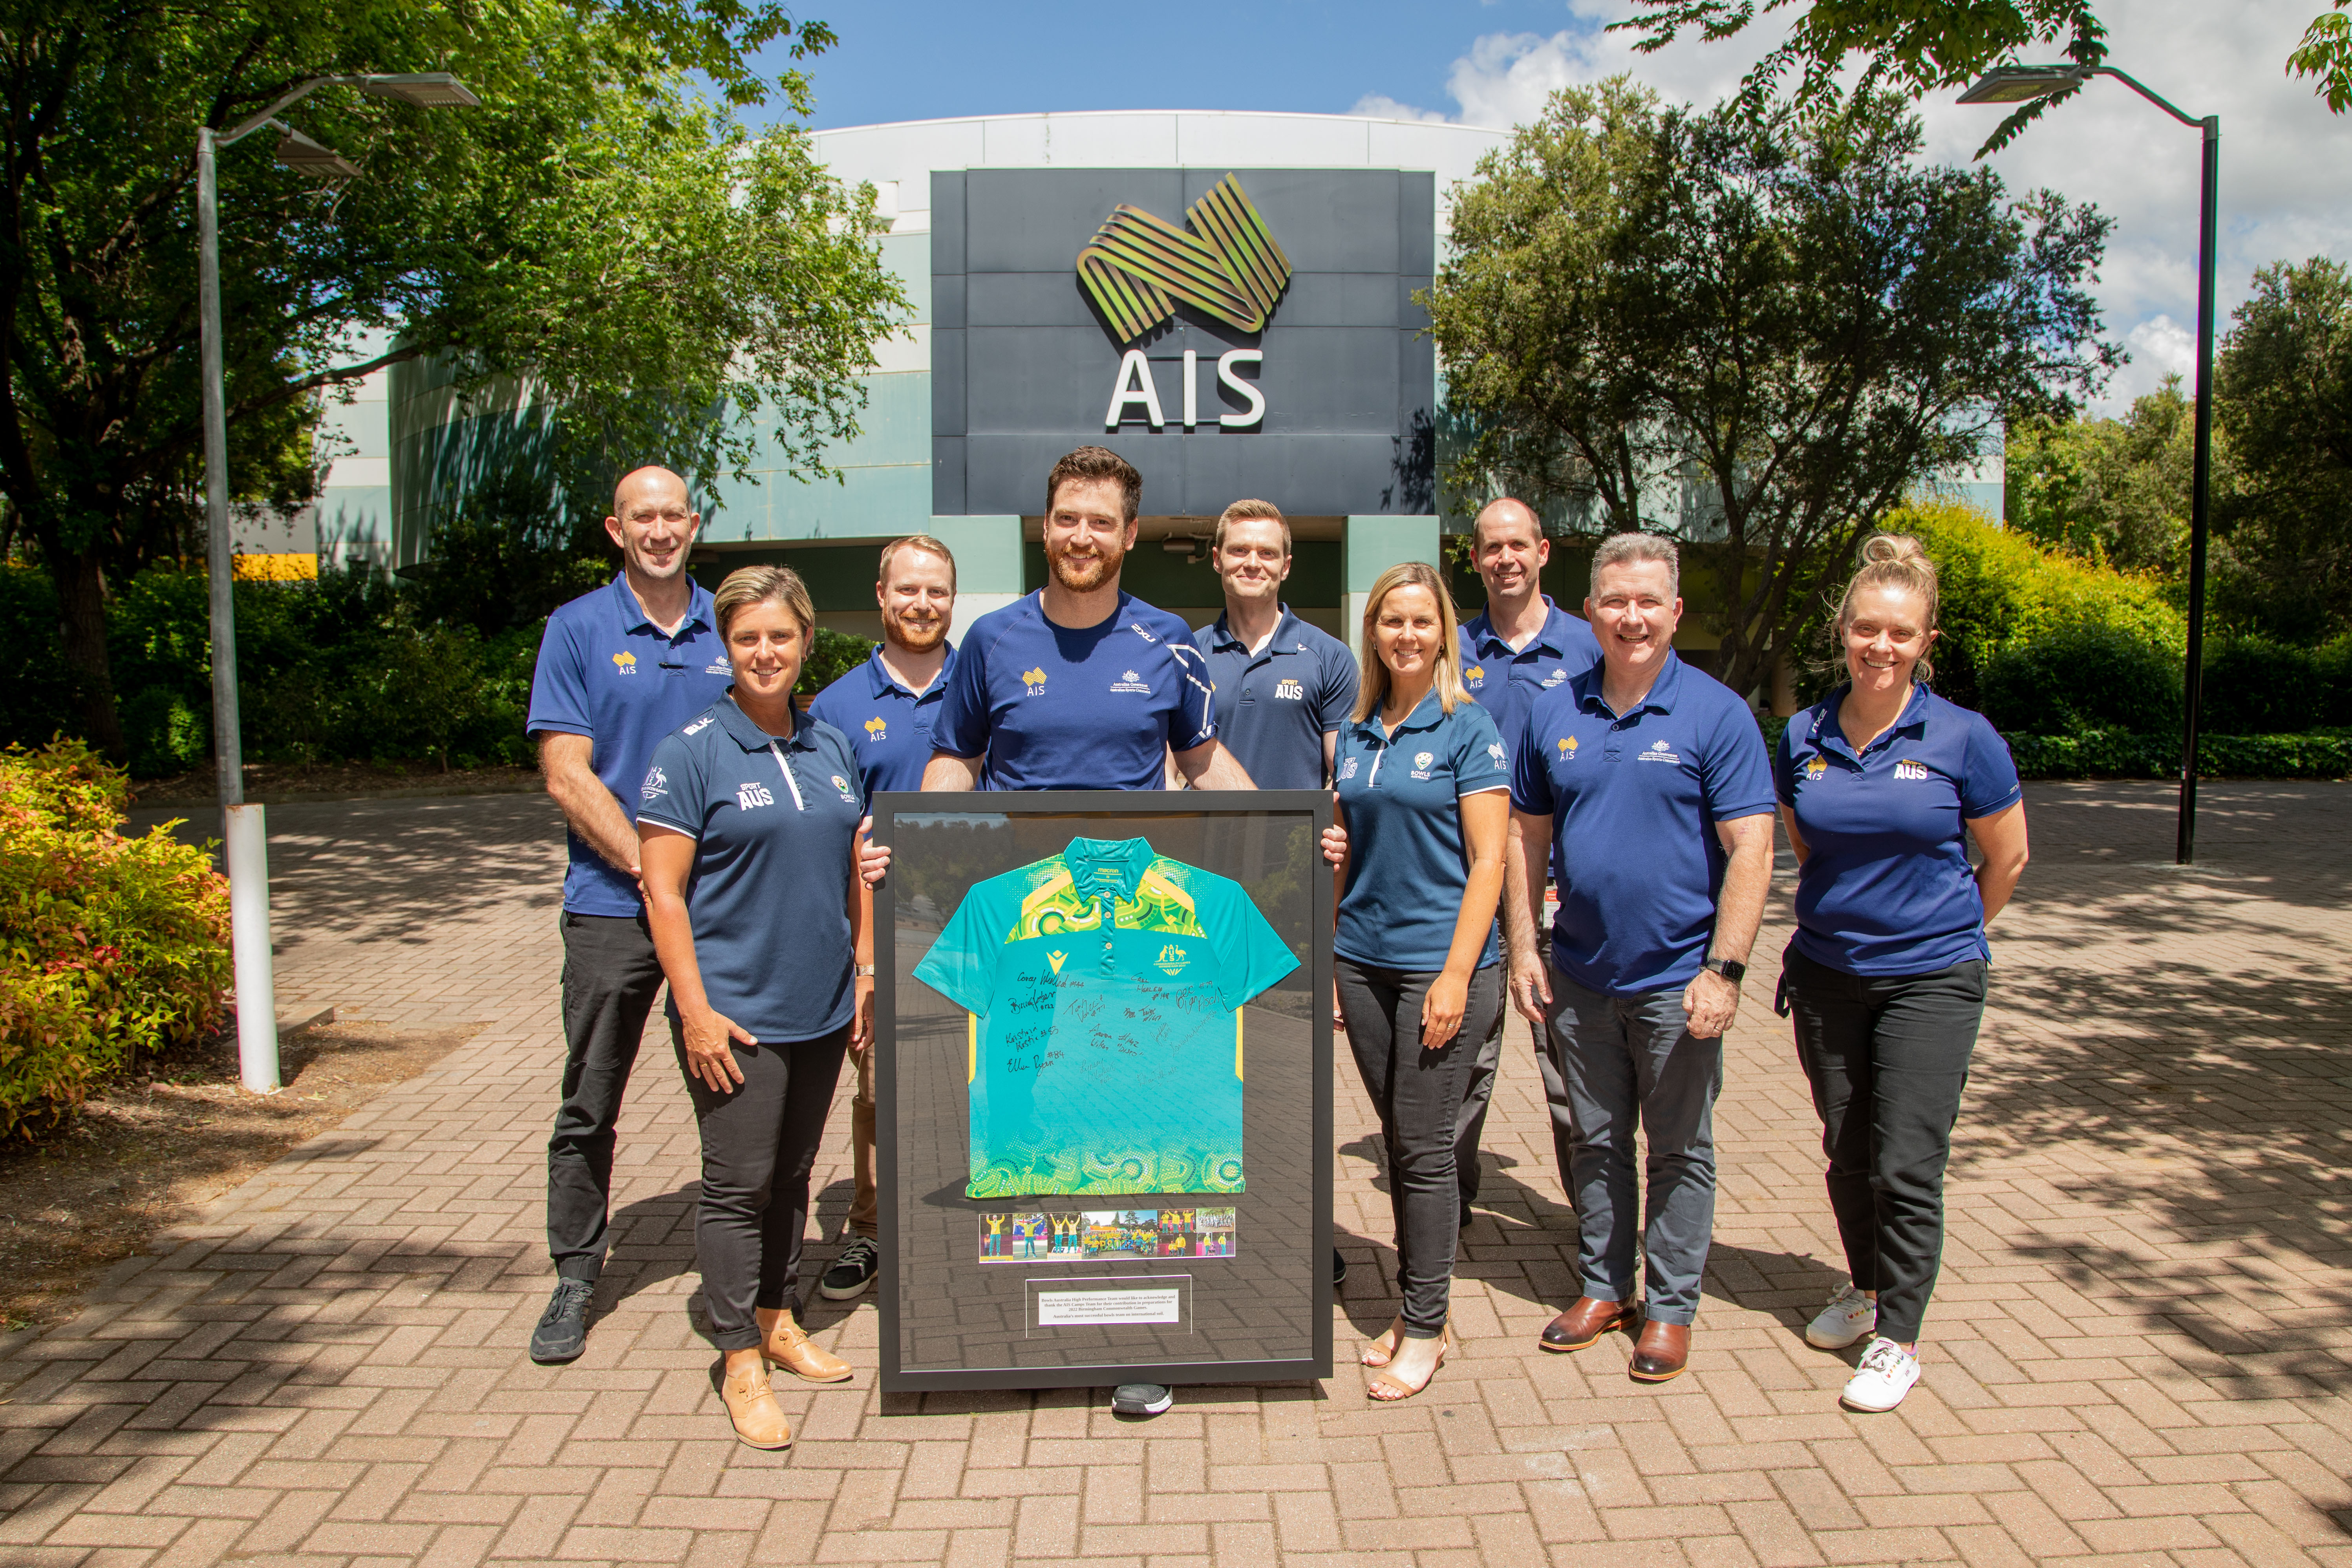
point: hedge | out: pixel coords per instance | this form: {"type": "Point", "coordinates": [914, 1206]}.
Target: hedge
{"type": "Point", "coordinates": [2117, 754]}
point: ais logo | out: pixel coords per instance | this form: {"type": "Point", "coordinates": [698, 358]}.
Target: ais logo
{"type": "Point", "coordinates": [1475, 676]}
{"type": "Point", "coordinates": [1035, 680]}
{"type": "Point", "coordinates": [1568, 747]}
{"type": "Point", "coordinates": [627, 663]}
{"type": "Point", "coordinates": [877, 730]}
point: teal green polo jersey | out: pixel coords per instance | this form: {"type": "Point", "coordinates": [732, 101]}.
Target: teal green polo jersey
{"type": "Point", "coordinates": [1105, 1046]}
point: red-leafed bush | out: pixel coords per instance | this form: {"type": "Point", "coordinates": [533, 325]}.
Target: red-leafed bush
{"type": "Point", "coordinates": [108, 945]}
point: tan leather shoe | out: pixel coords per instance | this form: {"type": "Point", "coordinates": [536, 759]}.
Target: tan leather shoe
{"type": "Point", "coordinates": [786, 1344]}
{"type": "Point", "coordinates": [1581, 1326]}
{"type": "Point", "coordinates": [1662, 1352]}
{"type": "Point", "coordinates": [751, 1405]}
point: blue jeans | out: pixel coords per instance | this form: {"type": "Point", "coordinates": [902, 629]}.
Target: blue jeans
{"type": "Point", "coordinates": [1615, 1064]}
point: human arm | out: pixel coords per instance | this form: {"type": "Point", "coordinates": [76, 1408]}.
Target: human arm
{"type": "Point", "coordinates": [668, 860]}
{"type": "Point", "coordinates": [1330, 754]}
{"type": "Point", "coordinates": [1797, 845]}
{"type": "Point", "coordinates": [1483, 817]}
{"type": "Point", "coordinates": [590, 808]}
{"type": "Point", "coordinates": [1210, 766]}
{"type": "Point", "coordinates": [1524, 866]}
{"type": "Point", "coordinates": [1709, 1000]}
{"type": "Point", "coordinates": [2000, 842]}
{"type": "Point", "coordinates": [946, 771]}
{"type": "Point", "coordinates": [861, 945]}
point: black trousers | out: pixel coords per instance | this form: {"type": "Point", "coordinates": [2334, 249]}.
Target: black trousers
{"type": "Point", "coordinates": [610, 980]}
{"type": "Point", "coordinates": [1418, 1094]}
{"type": "Point", "coordinates": [758, 1144]}
{"type": "Point", "coordinates": [1887, 1058]}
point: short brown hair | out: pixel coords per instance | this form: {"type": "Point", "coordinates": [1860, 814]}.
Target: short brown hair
{"type": "Point", "coordinates": [922, 541]}
{"type": "Point", "coordinates": [1097, 463]}
{"type": "Point", "coordinates": [749, 585]}
{"type": "Point", "coordinates": [1245, 510]}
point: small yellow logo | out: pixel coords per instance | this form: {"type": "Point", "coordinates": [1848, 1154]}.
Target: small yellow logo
{"type": "Point", "coordinates": [1817, 767]}
{"type": "Point", "coordinates": [1568, 745]}
{"type": "Point", "coordinates": [1034, 679]}
{"type": "Point", "coordinates": [1474, 676]}
{"type": "Point", "coordinates": [1056, 959]}
{"type": "Point", "coordinates": [1172, 959]}
{"type": "Point", "coordinates": [877, 730]}
{"type": "Point", "coordinates": [627, 663]}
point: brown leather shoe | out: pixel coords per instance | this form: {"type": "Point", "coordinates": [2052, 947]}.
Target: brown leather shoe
{"type": "Point", "coordinates": [786, 1344]}
{"type": "Point", "coordinates": [751, 1405]}
{"type": "Point", "coordinates": [1581, 1326]}
{"type": "Point", "coordinates": [1662, 1352]}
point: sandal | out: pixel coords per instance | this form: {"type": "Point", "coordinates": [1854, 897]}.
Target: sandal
{"type": "Point", "coordinates": [1404, 1390]}
{"type": "Point", "coordinates": [1375, 1347]}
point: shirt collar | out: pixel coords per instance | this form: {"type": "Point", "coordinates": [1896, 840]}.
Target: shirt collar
{"type": "Point", "coordinates": [1120, 861]}
{"type": "Point", "coordinates": [1829, 737]}
{"type": "Point", "coordinates": [1552, 638]}
{"type": "Point", "coordinates": [1285, 637]}
{"type": "Point", "coordinates": [1659, 699]}
{"type": "Point", "coordinates": [1427, 714]}
{"type": "Point", "coordinates": [884, 682]}
{"type": "Point", "coordinates": [751, 738]}
{"type": "Point", "coordinates": [698, 611]}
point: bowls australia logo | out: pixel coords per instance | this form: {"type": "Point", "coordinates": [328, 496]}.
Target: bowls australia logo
{"type": "Point", "coordinates": [841, 786]}
{"type": "Point", "coordinates": [1035, 680]}
{"type": "Point", "coordinates": [1660, 750]}
{"type": "Point", "coordinates": [1131, 682]}
{"type": "Point", "coordinates": [1420, 761]}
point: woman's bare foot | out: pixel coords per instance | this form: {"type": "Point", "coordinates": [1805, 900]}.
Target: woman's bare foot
{"type": "Point", "coordinates": [1381, 1351]}
{"type": "Point", "coordinates": [1409, 1371]}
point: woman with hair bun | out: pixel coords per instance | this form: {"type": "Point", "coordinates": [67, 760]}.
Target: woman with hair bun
{"type": "Point", "coordinates": [1881, 783]}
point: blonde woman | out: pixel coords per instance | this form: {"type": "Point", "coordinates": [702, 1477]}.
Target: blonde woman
{"type": "Point", "coordinates": [1882, 784]}
{"type": "Point", "coordinates": [1422, 783]}
{"type": "Point", "coordinates": [748, 830]}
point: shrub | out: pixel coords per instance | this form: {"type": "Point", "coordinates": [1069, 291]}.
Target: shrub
{"type": "Point", "coordinates": [2078, 678]}
{"type": "Point", "coordinates": [2115, 753]}
{"type": "Point", "coordinates": [108, 945]}
{"type": "Point", "coordinates": [832, 656]}
{"type": "Point", "coordinates": [2255, 686]}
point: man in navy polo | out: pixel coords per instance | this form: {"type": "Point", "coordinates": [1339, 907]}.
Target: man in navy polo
{"type": "Point", "coordinates": [619, 669]}
{"type": "Point", "coordinates": [889, 707]}
{"type": "Point", "coordinates": [1645, 786]}
{"type": "Point", "coordinates": [1283, 688]}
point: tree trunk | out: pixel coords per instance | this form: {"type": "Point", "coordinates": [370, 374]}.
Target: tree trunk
{"type": "Point", "coordinates": [81, 621]}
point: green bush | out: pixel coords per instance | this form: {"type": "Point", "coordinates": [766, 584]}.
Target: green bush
{"type": "Point", "coordinates": [108, 945]}
{"type": "Point", "coordinates": [2073, 679]}
{"type": "Point", "coordinates": [833, 655]}
{"type": "Point", "coordinates": [2117, 753]}
{"type": "Point", "coordinates": [2255, 686]}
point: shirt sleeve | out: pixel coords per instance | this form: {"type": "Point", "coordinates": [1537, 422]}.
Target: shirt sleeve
{"type": "Point", "coordinates": [1784, 763]}
{"type": "Point", "coordinates": [1251, 956]}
{"type": "Point", "coordinates": [1194, 722]}
{"type": "Point", "coordinates": [1481, 761]}
{"type": "Point", "coordinates": [1337, 700]}
{"type": "Point", "coordinates": [1992, 784]}
{"type": "Point", "coordinates": [962, 965]}
{"type": "Point", "coordinates": [1736, 772]}
{"type": "Point", "coordinates": [672, 793]}
{"type": "Point", "coordinates": [962, 728]}
{"type": "Point", "coordinates": [1530, 769]}
{"type": "Point", "coordinates": [559, 686]}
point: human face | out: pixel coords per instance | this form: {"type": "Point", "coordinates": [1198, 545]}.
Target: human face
{"type": "Point", "coordinates": [1088, 534]}
{"type": "Point", "coordinates": [654, 523]}
{"type": "Point", "coordinates": [1886, 634]}
{"type": "Point", "coordinates": [767, 645]}
{"type": "Point", "coordinates": [1633, 611]}
{"type": "Point", "coordinates": [917, 598]}
{"type": "Point", "coordinates": [1408, 634]}
{"type": "Point", "coordinates": [1252, 561]}
{"type": "Point", "coordinates": [1511, 552]}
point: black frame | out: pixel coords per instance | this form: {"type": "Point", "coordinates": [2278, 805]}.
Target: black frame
{"type": "Point", "coordinates": [1112, 806]}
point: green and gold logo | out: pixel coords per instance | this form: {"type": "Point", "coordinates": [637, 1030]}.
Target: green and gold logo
{"type": "Point", "coordinates": [1224, 264]}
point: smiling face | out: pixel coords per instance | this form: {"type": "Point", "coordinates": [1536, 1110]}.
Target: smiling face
{"type": "Point", "coordinates": [1409, 632]}
{"type": "Point", "coordinates": [1511, 549]}
{"type": "Point", "coordinates": [654, 523]}
{"type": "Point", "coordinates": [1633, 611]}
{"type": "Point", "coordinates": [1088, 534]}
{"type": "Point", "coordinates": [918, 597]}
{"type": "Point", "coordinates": [1252, 561]}
{"type": "Point", "coordinates": [767, 645]}
{"type": "Point", "coordinates": [1885, 634]}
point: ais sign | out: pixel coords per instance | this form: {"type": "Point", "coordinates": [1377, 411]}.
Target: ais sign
{"type": "Point", "coordinates": [1266, 345]}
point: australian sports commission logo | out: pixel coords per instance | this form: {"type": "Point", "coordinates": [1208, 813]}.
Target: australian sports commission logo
{"type": "Point", "coordinates": [1130, 683]}
{"type": "Point", "coordinates": [1223, 263]}
{"type": "Point", "coordinates": [1660, 750]}
{"type": "Point", "coordinates": [1033, 680]}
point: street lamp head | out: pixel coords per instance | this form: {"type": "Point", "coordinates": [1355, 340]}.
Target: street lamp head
{"type": "Point", "coordinates": [304, 156]}
{"type": "Point", "coordinates": [424, 90]}
{"type": "Point", "coordinates": [2022, 84]}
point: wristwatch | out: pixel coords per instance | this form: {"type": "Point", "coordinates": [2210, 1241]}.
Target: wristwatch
{"type": "Point", "coordinates": [864, 971]}
{"type": "Point", "coordinates": [1731, 969]}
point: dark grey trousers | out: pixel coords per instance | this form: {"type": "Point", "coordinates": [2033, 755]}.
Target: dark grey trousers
{"type": "Point", "coordinates": [1476, 1097]}
{"type": "Point", "coordinates": [610, 980]}
{"type": "Point", "coordinates": [1888, 1058]}
{"type": "Point", "coordinates": [759, 1144]}
{"type": "Point", "coordinates": [1418, 1095]}
{"type": "Point", "coordinates": [1616, 1064]}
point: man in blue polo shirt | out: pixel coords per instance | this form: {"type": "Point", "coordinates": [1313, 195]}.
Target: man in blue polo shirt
{"type": "Point", "coordinates": [619, 669]}
{"type": "Point", "coordinates": [1645, 786]}
{"type": "Point", "coordinates": [1283, 688]}
{"type": "Point", "coordinates": [889, 707]}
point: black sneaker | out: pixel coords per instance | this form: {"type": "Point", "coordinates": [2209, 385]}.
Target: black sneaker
{"type": "Point", "coordinates": [853, 1269]}
{"type": "Point", "coordinates": [563, 1332]}
{"type": "Point", "coordinates": [1338, 1268]}
{"type": "Point", "coordinates": [1140, 1399]}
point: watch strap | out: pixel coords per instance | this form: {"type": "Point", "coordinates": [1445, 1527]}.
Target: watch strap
{"type": "Point", "coordinates": [1731, 969]}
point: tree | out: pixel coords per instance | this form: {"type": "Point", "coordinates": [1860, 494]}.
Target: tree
{"type": "Point", "coordinates": [675, 284]}
{"type": "Point", "coordinates": [2112, 490]}
{"type": "Point", "coordinates": [1923, 49]}
{"type": "Point", "coordinates": [1763, 333]}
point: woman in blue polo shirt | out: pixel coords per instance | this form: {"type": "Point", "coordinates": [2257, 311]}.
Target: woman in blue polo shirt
{"type": "Point", "coordinates": [748, 831]}
{"type": "Point", "coordinates": [1422, 783]}
{"type": "Point", "coordinates": [1881, 785]}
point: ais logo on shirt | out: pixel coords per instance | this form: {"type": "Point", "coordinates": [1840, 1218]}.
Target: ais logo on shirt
{"type": "Point", "coordinates": [1475, 676]}
{"type": "Point", "coordinates": [1907, 769]}
{"type": "Point", "coordinates": [1130, 681]}
{"type": "Point", "coordinates": [627, 663]}
{"type": "Point", "coordinates": [748, 795]}
{"type": "Point", "coordinates": [1290, 690]}
{"type": "Point", "coordinates": [1568, 747]}
{"type": "Point", "coordinates": [1502, 758]}
{"type": "Point", "coordinates": [1172, 959]}
{"type": "Point", "coordinates": [1817, 767]}
{"type": "Point", "coordinates": [1661, 751]}
{"type": "Point", "coordinates": [1034, 679]}
{"type": "Point", "coordinates": [877, 730]}
{"type": "Point", "coordinates": [656, 785]}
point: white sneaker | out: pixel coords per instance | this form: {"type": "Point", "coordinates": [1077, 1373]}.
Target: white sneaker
{"type": "Point", "coordinates": [1881, 1379]}
{"type": "Point", "coordinates": [1849, 1316]}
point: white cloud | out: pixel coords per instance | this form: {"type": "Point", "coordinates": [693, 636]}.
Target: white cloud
{"type": "Point", "coordinates": [2286, 190]}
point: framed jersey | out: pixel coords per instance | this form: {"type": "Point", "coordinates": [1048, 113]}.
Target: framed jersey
{"type": "Point", "coordinates": [1104, 1087]}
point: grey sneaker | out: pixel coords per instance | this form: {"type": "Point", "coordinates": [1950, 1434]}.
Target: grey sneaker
{"type": "Point", "coordinates": [562, 1331]}
{"type": "Point", "coordinates": [1850, 1316]}
{"type": "Point", "coordinates": [854, 1268]}
{"type": "Point", "coordinates": [1338, 1268]}
{"type": "Point", "coordinates": [1140, 1399]}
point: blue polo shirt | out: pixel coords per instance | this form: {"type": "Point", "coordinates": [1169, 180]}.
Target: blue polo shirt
{"type": "Point", "coordinates": [1055, 707]}
{"type": "Point", "coordinates": [606, 672]}
{"type": "Point", "coordinates": [1408, 861]}
{"type": "Point", "coordinates": [888, 726]}
{"type": "Point", "coordinates": [1634, 800]}
{"type": "Point", "coordinates": [1505, 681]}
{"type": "Point", "coordinates": [774, 822]}
{"type": "Point", "coordinates": [1274, 706]}
{"type": "Point", "coordinates": [1885, 887]}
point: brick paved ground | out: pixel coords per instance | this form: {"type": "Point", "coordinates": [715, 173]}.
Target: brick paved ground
{"type": "Point", "coordinates": [2140, 1351]}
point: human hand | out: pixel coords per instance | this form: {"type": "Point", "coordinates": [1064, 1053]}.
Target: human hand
{"type": "Point", "coordinates": [1335, 844]}
{"type": "Point", "coordinates": [709, 1053]}
{"type": "Point", "coordinates": [1711, 1002]}
{"type": "Point", "coordinates": [1530, 987]}
{"type": "Point", "coordinates": [861, 1024]}
{"type": "Point", "coordinates": [873, 859]}
{"type": "Point", "coordinates": [1442, 1007]}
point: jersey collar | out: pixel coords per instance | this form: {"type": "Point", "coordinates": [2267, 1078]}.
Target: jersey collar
{"type": "Point", "coordinates": [1551, 639]}
{"type": "Point", "coordinates": [1287, 636]}
{"type": "Point", "coordinates": [1827, 737]}
{"type": "Point", "coordinates": [1120, 861]}
{"type": "Point", "coordinates": [698, 611]}
{"type": "Point", "coordinates": [883, 682]}
{"type": "Point", "coordinates": [751, 738]}
{"type": "Point", "coordinates": [1427, 714]}
{"type": "Point", "coordinates": [1659, 699]}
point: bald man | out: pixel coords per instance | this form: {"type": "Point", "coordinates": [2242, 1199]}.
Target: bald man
{"type": "Point", "coordinates": [619, 669]}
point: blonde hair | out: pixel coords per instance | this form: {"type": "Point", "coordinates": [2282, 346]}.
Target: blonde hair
{"type": "Point", "coordinates": [1242, 511]}
{"type": "Point", "coordinates": [1899, 561]}
{"type": "Point", "coordinates": [1372, 678]}
{"type": "Point", "coordinates": [749, 585]}
{"type": "Point", "coordinates": [924, 543]}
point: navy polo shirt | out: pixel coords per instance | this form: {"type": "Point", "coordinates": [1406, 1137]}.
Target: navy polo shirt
{"type": "Point", "coordinates": [1506, 679]}
{"type": "Point", "coordinates": [1885, 887]}
{"type": "Point", "coordinates": [774, 822]}
{"type": "Point", "coordinates": [1634, 800]}
{"type": "Point", "coordinates": [888, 726]}
{"type": "Point", "coordinates": [606, 672]}
{"type": "Point", "coordinates": [1274, 706]}
{"type": "Point", "coordinates": [1408, 861]}
{"type": "Point", "coordinates": [1056, 707]}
